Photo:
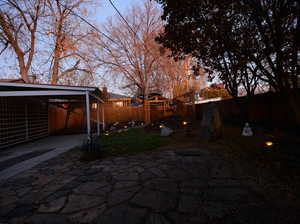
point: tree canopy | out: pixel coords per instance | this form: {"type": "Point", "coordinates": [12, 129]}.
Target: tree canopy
{"type": "Point", "coordinates": [244, 41]}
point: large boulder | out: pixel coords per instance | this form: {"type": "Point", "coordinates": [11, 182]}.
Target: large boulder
{"type": "Point", "coordinates": [165, 131]}
{"type": "Point", "coordinates": [211, 124]}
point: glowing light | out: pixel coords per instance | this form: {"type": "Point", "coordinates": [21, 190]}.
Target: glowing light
{"type": "Point", "coordinates": [269, 144]}
{"type": "Point", "coordinates": [94, 105]}
{"type": "Point", "coordinates": [125, 126]}
{"type": "Point", "coordinates": [185, 123]}
{"type": "Point", "coordinates": [106, 133]}
{"type": "Point", "coordinates": [161, 126]}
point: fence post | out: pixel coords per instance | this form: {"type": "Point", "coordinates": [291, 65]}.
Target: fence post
{"type": "Point", "coordinates": [147, 112]}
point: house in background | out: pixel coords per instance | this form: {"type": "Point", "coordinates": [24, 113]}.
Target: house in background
{"type": "Point", "coordinates": [116, 100]}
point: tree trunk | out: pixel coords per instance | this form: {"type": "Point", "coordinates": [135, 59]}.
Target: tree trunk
{"type": "Point", "coordinates": [54, 76]}
{"type": "Point", "coordinates": [24, 74]}
{"type": "Point", "coordinates": [22, 68]}
{"type": "Point", "coordinates": [242, 116]}
{"type": "Point", "coordinates": [69, 110]}
{"type": "Point", "coordinates": [294, 101]}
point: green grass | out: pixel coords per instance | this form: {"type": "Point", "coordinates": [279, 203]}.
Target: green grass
{"type": "Point", "coordinates": [129, 142]}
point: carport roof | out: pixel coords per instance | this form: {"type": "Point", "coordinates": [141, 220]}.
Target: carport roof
{"type": "Point", "coordinates": [46, 90]}
{"type": "Point", "coordinates": [46, 86]}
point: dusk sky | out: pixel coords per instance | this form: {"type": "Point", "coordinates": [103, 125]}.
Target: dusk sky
{"type": "Point", "coordinates": [105, 9]}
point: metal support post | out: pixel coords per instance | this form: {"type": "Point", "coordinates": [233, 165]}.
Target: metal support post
{"type": "Point", "coordinates": [103, 119]}
{"type": "Point", "coordinates": [98, 119]}
{"type": "Point", "coordinates": [88, 114]}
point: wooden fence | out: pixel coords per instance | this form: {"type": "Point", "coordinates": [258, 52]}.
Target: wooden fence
{"type": "Point", "coordinates": [129, 113]}
{"type": "Point", "coordinates": [57, 119]}
{"type": "Point", "coordinates": [271, 109]}
{"type": "Point", "coordinates": [268, 108]}
{"type": "Point", "coordinates": [76, 122]}
{"type": "Point", "coordinates": [114, 113]}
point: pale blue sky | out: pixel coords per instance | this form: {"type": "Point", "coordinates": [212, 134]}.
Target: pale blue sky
{"type": "Point", "coordinates": [105, 10]}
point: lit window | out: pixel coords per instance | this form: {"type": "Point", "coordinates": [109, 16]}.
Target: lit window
{"type": "Point", "coordinates": [94, 105]}
{"type": "Point", "coordinates": [119, 104]}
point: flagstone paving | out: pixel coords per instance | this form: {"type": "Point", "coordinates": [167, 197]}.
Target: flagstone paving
{"type": "Point", "coordinates": [191, 186]}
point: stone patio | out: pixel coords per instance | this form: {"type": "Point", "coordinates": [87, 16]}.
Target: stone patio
{"type": "Point", "coordinates": [26, 156]}
{"type": "Point", "coordinates": [190, 186]}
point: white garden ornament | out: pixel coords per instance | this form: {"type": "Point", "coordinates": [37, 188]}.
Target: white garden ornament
{"type": "Point", "coordinates": [247, 131]}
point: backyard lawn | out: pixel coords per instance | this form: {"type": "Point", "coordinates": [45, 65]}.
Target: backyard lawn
{"type": "Point", "coordinates": [125, 142]}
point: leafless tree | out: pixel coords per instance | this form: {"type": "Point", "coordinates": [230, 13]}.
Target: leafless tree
{"type": "Point", "coordinates": [18, 27]}
{"type": "Point", "coordinates": [129, 52]}
{"type": "Point", "coordinates": [67, 33]}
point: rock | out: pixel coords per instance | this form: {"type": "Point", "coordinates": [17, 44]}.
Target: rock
{"type": "Point", "coordinates": [80, 202]}
{"type": "Point", "coordinates": [92, 188]}
{"type": "Point", "coordinates": [156, 219]}
{"type": "Point", "coordinates": [131, 123]}
{"type": "Point", "coordinates": [224, 182]}
{"type": "Point", "coordinates": [87, 216]}
{"type": "Point", "coordinates": [21, 211]}
{"type": "Point", "coordinates": [53, 206]}
{"type": "Point", "coordinates": [192, 152]}
{"type": "Point", "coordinates": [155, 200]}
{"type": "Point", "coordinates": [47, 219]}
{"type": "Point", "coordinates": [112, 128]}
{"type": "Point", "coordinates": [23, 191]}
{"type": "Point", "coordinates": [125, 184]}
{"type": "Point", "coordinates": [123, 214]}
{"type": "Point", "coordinates": [234, 195]}
{"type": "Point", "coordinates": [158, 172]}
{"type": "Point", "coordinates": [6, 209]}
{"type": "Point", "coordinates": [121, 195]}
{"type": "Point", "coordinates": [125, 176]}
{"type": "Point", "coordinates": [217, 210]}
{"type": "Point", "coordinates": [163, 185]}
{"type": "Point", "coordinates": [189, 203]}
{"type": "Point", "coordinates": [193, 187]}
{"type": "Point", "coordinates": [165, 131]}
{"type": "Point", "coordinates": [178, 174]}
{"type": "Point", "coordinates": [211, 124]}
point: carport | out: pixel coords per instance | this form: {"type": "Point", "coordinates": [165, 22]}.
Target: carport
{"type": "Point", "coordinates": [24, 109]}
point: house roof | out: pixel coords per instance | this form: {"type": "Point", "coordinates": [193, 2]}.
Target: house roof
{"type": "Point", "coordinates": [13, 80]}
{"type": "Point", "coordinates": [114, 95]}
